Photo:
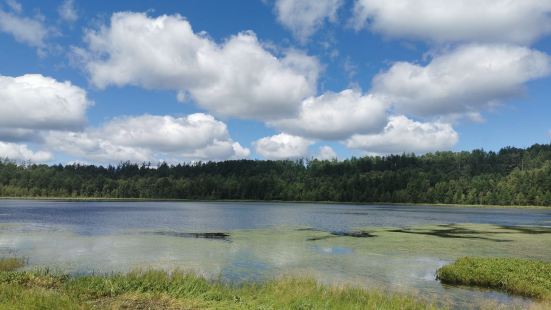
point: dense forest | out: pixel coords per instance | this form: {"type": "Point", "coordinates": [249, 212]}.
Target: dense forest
{"type": "Point", "coordinates": [511, 176]}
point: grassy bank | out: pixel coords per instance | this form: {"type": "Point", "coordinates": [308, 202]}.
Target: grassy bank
{"type": "Point", "coordinates": [180, 290]}
{"type": "Point", "coordinates": [523, 277]}
{"type": "Point", "coordinates": [11, 263]}
{"type": "Point", "coordinates": [47, 198]}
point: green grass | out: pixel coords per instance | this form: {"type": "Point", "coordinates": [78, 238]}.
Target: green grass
{"type": "Point", "coordinates": [181, 290]}
{"type": "Point", "coordinates": [11, 263]}
{"type": "Point", "coordinates": [151, 289]}
{"type": "Point", "coordinates": [523, 277]}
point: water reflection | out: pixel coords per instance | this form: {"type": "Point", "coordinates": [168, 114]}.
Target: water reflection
{"type": "Point", "coordinates": [253, 242]}
{"type": "Point", "coordinates": [94, 218]}
{"type": "Point", "coordinates": [334, 250]}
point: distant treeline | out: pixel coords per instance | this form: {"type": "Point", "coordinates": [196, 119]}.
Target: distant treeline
{"type": "Point", "coordinates": [511, 176]}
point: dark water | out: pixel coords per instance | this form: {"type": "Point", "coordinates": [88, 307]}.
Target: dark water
{"type": "Point", "coordinates": [96, 218]}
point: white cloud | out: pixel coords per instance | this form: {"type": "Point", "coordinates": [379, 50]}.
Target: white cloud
{"type": "Point", "coordinates": [92, 146]}
{"type": "Point", "coordinates": [43, 110]}
{"type": "Point", "coordinates": [282, 146]}
{"type": "Point", "coordinates": [33, 101]}
{"type": "Point", "coordinates": [237, 78]}
{"type": "Point", "coordinates": [166, 133]}
{"type": "Point", "coordinates": [151, 138]}
{"type": "Point", "coordinates": [405, 135]}
{"type": "Point", "coordinates": [326, 153]}
{"type": "Point", "coordinates": [304, 17]}
{"type": "Point", "coordinates": [67, 11]}
{"type": "Point", "coordinates": [217, 150]}
{"type": "Point", "coordinates": [21, 152]}
{"type": "Point", "coordinates": [350, 68]}
{"type": "Point", "coordinates": [336, 116]}
{"type": "Point", "coordinates": [15, 6]}
{"type": "Point", "coordinates": [464, 81]}
{"type": "Point", "coordinates": [30, 31]}
{"type": "Point", "coordinates": [517, 21]}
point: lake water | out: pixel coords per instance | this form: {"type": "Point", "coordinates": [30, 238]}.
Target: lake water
{"type": "Point", "coordinates": [399, 250]}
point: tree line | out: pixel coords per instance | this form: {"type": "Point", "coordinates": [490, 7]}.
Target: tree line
{"type": "Point", "coordinates": [511, 176]}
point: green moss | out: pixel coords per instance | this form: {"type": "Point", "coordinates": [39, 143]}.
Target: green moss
{"type": "Point", "coordinates": [523, 277]}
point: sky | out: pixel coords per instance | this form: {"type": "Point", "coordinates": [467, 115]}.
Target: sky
{"type": "Point", "coordinates": [102, 82]}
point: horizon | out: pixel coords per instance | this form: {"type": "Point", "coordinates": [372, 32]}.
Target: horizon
{"type": "Point", "coordinates": [141, 81]}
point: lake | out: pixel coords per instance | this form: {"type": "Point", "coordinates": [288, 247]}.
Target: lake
{"type": "Point", "coordinates": [389, 247]}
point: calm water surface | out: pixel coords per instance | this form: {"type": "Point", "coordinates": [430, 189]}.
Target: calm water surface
{"type": "Point", "coordinates": [265, 240]}
{"type": "Point", "coordinates": [100, 218]}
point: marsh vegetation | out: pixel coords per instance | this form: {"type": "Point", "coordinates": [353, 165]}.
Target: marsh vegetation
{"type": "Point", "coordinates": [530, 278]}
{"type": "Point", "coordinates": [155, 289]}
{"type": "Point", "coordinates": [11, 263]}
{"type": "Point", "coordinates": [181, 290]}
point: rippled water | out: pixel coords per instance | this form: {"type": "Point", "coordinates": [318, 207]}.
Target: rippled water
{"type": "Point", "coordinates": [256, 241]}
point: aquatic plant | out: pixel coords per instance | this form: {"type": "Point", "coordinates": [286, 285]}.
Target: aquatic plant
{"type": "Point", "coordinates": [530, 278]}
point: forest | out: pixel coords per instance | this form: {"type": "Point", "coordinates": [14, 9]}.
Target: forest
{"type": "Point", "coordinates": [511, 176]}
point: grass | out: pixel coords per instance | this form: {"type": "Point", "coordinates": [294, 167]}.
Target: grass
{"type": "Point", "coordinates": [152, 289]}
{"type": "Point", "coordinates": [11, 263]}
{"type": "Point", "coordinates": [180, 290]}
{"type": "Point", "coordinates": [523, 277]}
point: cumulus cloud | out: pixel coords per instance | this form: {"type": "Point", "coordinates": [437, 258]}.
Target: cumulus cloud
{"type": "Point", "coordinates": [52, 113]}
{"type": "Point", "coordinates": [336, 116]}
{"type": "Point", "coordinates": [34, 101]}
{"type": "Point", "coordinates": [282, 146]}
{"type": "Point", "coordinates": [326, 153]}
{"type": "Point", "coordinates": [93, 146]}
{"type": "Point", "coordinates": [405, 135]}
{"type": "Point", "coordinates": [67, 11]}
{"type": "Point", "coordinates": [21, 152]}
{"type": "Point", "coordinates": [151, 138]}
{"type": "Point", "coordinates": [30, 31]}
{"type": "Point", "coordinates": [166, 133]}
{"type": "Point", "coordinates": [464, 81]}
{"type": "Point", "coordinates": [304, 17]}
{"type": "Point", "coordinates": [519, 22]}
{"type": "Point", "coordinates": [238, 77]}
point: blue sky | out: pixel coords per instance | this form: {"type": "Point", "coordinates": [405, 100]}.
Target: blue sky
{"type": "Point", "coordinates": [110, 81]}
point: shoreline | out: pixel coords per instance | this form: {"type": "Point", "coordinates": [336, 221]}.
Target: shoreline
{"type": "Point", "coordinates": [413, 204]}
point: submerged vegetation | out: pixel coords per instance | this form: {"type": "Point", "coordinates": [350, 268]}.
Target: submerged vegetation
{"type": "Point", "coordinates": [376, 254]}
{"type": "Point", "coordinates": [204, 235]}
{"type": "Point", "coordinates": [180, 290]}
{"type": "Point", "coordinates": [511, 176]}
{"type": "Point", "coordinates": [523, 277]}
